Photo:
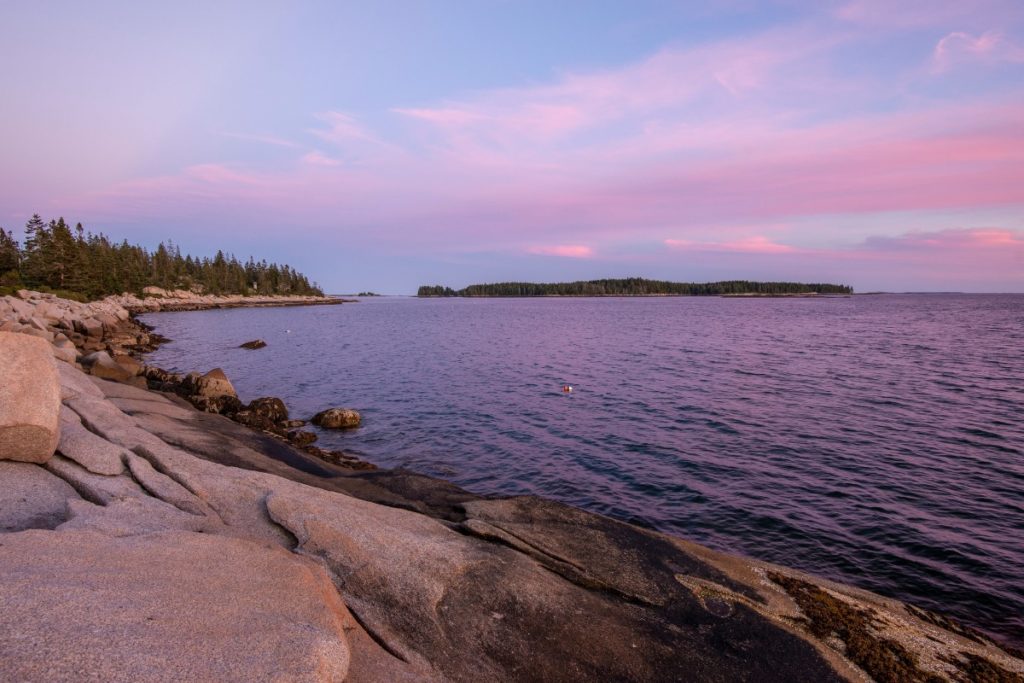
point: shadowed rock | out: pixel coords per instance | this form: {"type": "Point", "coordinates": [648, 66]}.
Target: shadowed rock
{"type": "Point", "coordinates": [31, 497]}
{"type": "Point", "coordinates": [253, 345]}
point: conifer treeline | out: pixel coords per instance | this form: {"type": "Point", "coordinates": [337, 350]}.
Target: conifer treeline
{"type": "Point", "coordinates": [56, 257]}
{"type": "Point", "coordinates": [636, 286]}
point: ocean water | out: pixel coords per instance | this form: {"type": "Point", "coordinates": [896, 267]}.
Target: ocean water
{"type": "Point", "coordinates": [876, 440]}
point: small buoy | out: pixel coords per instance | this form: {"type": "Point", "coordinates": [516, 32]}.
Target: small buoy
{"type": "Point", "coordinates": [566, 388]}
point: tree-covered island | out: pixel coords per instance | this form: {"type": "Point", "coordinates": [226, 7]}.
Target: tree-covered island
{"type": "Point", "coordinates": [636, 286]}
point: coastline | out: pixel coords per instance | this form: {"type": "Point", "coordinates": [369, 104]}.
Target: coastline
{"type": "Point", "coordinates": [421, 567]}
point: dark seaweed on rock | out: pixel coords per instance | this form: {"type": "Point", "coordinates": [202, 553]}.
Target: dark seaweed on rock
{"type": "Point", "coordinates": [974, 669]}
{"type": "Point", "coordinates": [827, 617]}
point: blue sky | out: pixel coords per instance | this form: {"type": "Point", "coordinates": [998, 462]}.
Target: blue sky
{"type": "Point", "coordinates": [390, 144]}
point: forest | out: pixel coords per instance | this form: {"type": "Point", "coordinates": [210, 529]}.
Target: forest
{"type": "Point", "coordinates": [636, 286]}
{"type": "Point", "coordinates": [76, 263]}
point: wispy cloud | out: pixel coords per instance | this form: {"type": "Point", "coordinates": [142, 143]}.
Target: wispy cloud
{"type": "Point", "coordinates": [263, 139]}
{"type": "Point", "coordinates": [318, 158]}
{"type": "Point", "coordinates": [755, 244]}
{"type": "Point", "coordinates": [991, 47]}
{"type": "Point", "coordinates": [564, 250]}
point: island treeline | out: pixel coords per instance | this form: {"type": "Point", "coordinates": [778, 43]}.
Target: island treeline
{"type": "Point", "coordinates": [635, 286]}
{"type": "Point", "coordinates": [73, 261]}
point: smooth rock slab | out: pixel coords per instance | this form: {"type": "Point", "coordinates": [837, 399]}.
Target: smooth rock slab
{"type": "Point", "coordinates": [96, 488]}
{"type": "Point", "coordinates": [90, 451]}
{"type": "Point", "coordinates": [75, 383]}
{"type": "Point", "coordinates": [31, 497]}
{"type": "Point", "coordinates": [175, 606]}
{"type": "Point", "coordinates": [29, 399]}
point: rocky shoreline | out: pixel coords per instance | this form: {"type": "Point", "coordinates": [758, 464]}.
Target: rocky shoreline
{"type": "Point", "coordinates": [151, 528]}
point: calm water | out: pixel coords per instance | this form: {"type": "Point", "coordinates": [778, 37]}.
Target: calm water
{"type": "Point", "coordinates": [877, 440]}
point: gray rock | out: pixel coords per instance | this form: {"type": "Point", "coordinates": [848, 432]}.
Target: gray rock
{"type": "Point", "coordinates": [20, 308]}
{"type": "Point", "coordinates": [65, 351]}
{"type": "Point", "coordinates": [45, 335]}
{"type": "Point", "coordinates": [97, 488]}
{"type": "Point", "coordinates": [174, 606]}
{"type": "Point", "coordinates": [101, 365]}
{"type": "Point", "coordinates": [128, 363]}
{"type": "Point", "coordinates": [134, 517]}
{"type": "Point", "coordinates": [38, 324]}
{"type": "Point", "coordinates": [214, 384]}
{"type": "Point", "coordinates": [31, 497]}
{"type": "Point", "coordinates": [110, 323]}
{"type": "Point", "coordinates": [337, 418]}
{"type": "Point", "coordinates": [90, 451]}
{"type": "Point", "coordinates": [163, 487]}
{"type": "Point", "coordinates": [29, 399]}
{"type": "Point", "coordinates": [74, 383]}
{"type": "Point", "coordinates": [90, 327]}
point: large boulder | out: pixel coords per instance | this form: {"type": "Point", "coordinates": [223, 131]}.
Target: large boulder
{"type": "Point", "coordinates": [337, 418]}
{"type": "Point", "coordinates": [174, 606]}
{"type": "Point", "coordinates": [29, 399]}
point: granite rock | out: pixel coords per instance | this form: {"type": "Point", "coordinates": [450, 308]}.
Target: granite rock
{"type": "Point", "coordinates": [29, 399]}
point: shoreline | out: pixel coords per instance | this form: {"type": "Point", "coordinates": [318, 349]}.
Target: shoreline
{"type": "Point", "coordinates": [569, 585]}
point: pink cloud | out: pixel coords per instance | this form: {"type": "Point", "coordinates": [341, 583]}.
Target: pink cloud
{"type": "Point", "coordinates": [756, 244]}
{"type": "Point", "coordinates": [318, 158]}
{"type": "Point", "coordinates": [341, 128]}
{"type": "Point", "coordinates": [989, 48]}
{"type": "Point", "coordinates": [753, 132]}
{"type": "Point", "coordinates": [961, 240]}
{"type": "Point", "coordinates": [566, 250]}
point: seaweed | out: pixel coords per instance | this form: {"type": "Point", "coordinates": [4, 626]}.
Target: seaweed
{"type": "Point", "coordinates": [972, 668]}
{"type": "Point", "coordinates": [885, 660]}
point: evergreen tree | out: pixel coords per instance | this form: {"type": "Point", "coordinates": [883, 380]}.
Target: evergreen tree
{"type": "Point", "coordinates": [55, 256]}
{"type": "Point", "coordinates": [10, 255]}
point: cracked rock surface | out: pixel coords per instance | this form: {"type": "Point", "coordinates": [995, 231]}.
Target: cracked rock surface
{"type": "Point", "coordinates": [162, 543]}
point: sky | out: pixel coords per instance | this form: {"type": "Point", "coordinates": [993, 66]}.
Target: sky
{"type": "Point", "coordinates": [384, 145]}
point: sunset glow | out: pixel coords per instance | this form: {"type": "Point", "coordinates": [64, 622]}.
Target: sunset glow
{"type": "Point", "coordinates": [859, 142]}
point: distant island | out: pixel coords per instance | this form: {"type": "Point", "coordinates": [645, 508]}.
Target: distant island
{"type": "Point", "coordinates": [636, 286]}
{"type": "Point", "coordinates": [77, 264]}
